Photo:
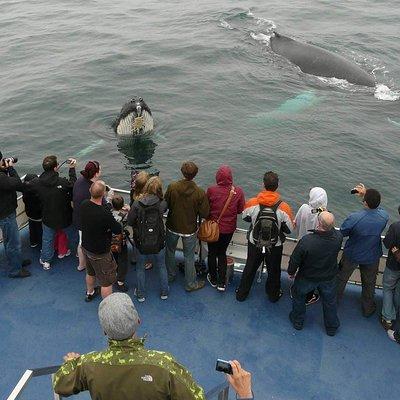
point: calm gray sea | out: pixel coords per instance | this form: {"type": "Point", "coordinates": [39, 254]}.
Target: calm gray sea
{"type": "Point", "coordinates": [217, 92]}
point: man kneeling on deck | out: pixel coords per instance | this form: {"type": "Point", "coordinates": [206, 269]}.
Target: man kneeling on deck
{"type": "Point", "coordinates": [314, 263]}
{"type": "Point", "coordinates": [126, 370]}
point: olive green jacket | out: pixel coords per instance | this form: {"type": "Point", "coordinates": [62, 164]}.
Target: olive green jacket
{"type": "Point", "coordinates": [127, 371]}
{"type": "Point", "coordinates": [185, 202]}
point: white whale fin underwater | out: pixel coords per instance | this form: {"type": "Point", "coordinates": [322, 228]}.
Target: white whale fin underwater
{"type": "Point", "coordinates": [89, 149]}
{"type": "Point", "coordinates": [289, 108]}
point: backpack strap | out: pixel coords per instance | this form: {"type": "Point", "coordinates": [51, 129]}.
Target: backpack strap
{"type": "Point", "coordinates": [228, 200]}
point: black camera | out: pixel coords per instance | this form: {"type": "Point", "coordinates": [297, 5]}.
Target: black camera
{"type": "Point", "coordinates": [224, 366]}
{"type": "Point", "coordinates": [353, 191]}
{"type": "Point", "coordinates": [8, 160]}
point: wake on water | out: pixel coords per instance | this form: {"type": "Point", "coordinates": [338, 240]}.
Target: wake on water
{"type": "Point", "coordinates": [382, 92]}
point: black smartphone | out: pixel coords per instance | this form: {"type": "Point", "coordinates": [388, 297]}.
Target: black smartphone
{"type": "Point", "coordinates": [353, 191]}
{"type": "Point", "coordinates": [224, 366]}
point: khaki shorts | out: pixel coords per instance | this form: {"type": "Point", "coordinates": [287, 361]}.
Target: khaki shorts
{"type": "Point", "coordinates": [102, 266]}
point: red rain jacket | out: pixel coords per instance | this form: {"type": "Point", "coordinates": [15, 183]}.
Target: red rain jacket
{"type": "Point", "coordinates": [217, 196]}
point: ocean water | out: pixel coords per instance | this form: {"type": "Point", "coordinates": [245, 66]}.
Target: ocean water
{"type": "Point", "coordinates": [217, 92]}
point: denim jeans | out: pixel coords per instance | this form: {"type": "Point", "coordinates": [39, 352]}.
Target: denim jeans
{"type": "Point", "coordinates": [47, 243]}
{"type": "Point", "coordinates": [158, 261]}
{"type": "Point", "coordinates": [391, 294]}
{"type": "Point", "coordinates": [189, 244]}
{"type": "Point", "coordinates": [327, 290]}
{"type": "Point", "coordinates": [12, 243]}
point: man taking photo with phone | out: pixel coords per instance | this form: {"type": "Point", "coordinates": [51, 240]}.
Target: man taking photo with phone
{"type": "Point", "coordinates": [10, 182]}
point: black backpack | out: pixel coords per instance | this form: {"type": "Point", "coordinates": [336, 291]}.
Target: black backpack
{"type": "Point", "coordinates": [150, 232]}
{"type": "Point", "coordinates": [266, 230]}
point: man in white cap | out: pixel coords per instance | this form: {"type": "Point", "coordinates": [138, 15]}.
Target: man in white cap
{"type": "Point", "coordinates": [126, 370]}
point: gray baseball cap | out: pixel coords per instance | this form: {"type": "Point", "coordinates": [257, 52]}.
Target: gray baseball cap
{"type": "Point", "coordinates": [118, 316]}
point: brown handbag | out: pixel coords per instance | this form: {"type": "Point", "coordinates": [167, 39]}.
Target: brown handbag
{"type": "Point", "coordinates": [209, 228]}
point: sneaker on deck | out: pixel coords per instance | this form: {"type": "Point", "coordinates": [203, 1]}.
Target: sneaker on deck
{"type": "Point", "coordinates": [90, 297]}
{"type": "Point", "coordinates": [314, 298]}
{"type": "Point", "coordinates": [80, 268]}
{"type": "Point", "coordinates": [68, 253]}
{"type": "Point", "coordinates": [387, 325]}
{"type": "Point", "coordinates": [210, 281]}
{"type": "Point", "coordinates": [221, 288]}
{"type": "Point", "coordinates": [197, 286]}
{"type": "Point", "coordinates": [46, 265]}
{"type": "Point", "coordinates": [121, 288]}
{"type": "Point", "coordinates": [140, 299]}
{"type": "Point", "coordinates": [164, 296]}
{"type": "Point", "coordinates": [22, 273]}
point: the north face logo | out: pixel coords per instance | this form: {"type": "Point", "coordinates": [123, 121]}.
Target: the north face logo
{"type": "Point", "coordinates": [147, 378]}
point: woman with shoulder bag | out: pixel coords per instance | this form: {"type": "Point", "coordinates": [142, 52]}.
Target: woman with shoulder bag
{"type": "Point", "coordinates": [226, 202]}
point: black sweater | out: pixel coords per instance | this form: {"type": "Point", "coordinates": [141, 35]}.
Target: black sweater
{"type": "Point", "coordinates": [315, 256]}
{"type": "Point", "coordinates": [97, 224]}
{"type": "Point", "coordinates": [9, 184]}
{"type": "Point", "coordinates": [392, 239]}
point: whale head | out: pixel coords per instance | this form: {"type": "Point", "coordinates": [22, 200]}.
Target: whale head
{"type": "Point", "coordinates": [134, 119]}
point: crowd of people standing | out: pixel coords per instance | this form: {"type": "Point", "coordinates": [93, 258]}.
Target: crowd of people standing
{"type": "Point", "coordinates": [102, 220]}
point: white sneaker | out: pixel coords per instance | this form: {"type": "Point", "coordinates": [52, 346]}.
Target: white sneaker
{"type": "Point", "coordinates": [80, 268]}
{"type": "Point", "coordinates": [139, 299]}
{"type": "Point", "coordinates": [68, 253]}
{"type": "Point", "coordinates": [46, 265]}
{"type": "Point", "coordinates": [391, 334]}
{"type": "Point", "coordinates": [164, 297]}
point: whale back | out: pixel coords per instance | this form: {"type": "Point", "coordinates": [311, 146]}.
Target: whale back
{"type": "Point", "coordinates": [317, 61]}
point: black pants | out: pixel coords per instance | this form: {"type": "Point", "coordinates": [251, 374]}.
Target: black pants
{"type": "Point", "coordinates": [35, 232]}
{"type": "Point", "coordinates": [122, 262]}
{"type": "Point", "coordinates": [217, 251]}
{"type": "Point", "coordinates": [254, 259]}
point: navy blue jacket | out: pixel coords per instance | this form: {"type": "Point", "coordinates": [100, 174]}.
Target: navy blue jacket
{"type": "Point", "coordinates": [364, 229]}
{"type": "Point", "coordinates": [315, 256]}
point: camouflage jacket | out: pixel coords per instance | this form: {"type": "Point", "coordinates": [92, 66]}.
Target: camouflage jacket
{"type": "Point", "coordinates": [127, 371]}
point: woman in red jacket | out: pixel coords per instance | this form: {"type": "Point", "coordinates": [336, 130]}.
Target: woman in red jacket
{"type": "Point", "coordinates": [217, 197]}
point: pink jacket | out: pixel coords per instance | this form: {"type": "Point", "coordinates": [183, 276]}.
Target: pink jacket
{"type": "Point", "coordinates": [217, 196]}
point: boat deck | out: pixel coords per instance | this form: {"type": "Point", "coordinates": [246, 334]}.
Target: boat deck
{"type": "Point", "coordinates": [45, 316]}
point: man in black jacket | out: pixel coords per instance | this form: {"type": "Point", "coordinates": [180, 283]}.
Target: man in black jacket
{"type": "Point", "coordinates": [97, 224]}
{"type": "Point", "coordinates": [314, 264]}
{"type": "Point", "coordinates": [55, 195]}
{"type": "Point", "coordinates": [9, 184]}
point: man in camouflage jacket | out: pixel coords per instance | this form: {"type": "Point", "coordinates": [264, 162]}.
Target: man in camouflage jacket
{"type": "Point", "coordinates": [126, 370]}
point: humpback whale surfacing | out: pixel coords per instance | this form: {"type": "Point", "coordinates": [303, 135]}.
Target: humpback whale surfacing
{"type": "Point", "coordinates": [134, 119]}
{"type": "Point", "coordinates": [320, 62]}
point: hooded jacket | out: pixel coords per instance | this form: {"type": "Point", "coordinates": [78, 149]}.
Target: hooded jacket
{"type": "Point", "coordinates": [185, 202]}
{"type": "Point", "coordinates": [268, 198]}
{"type": "Point", "coordinates": [307, 217]}
{"type": "Point", "coordinates": [9, 184]}
{"type": "Point", "coordinates": [56, 195]}
{"type": "Point", "coordinates": [217, 196]}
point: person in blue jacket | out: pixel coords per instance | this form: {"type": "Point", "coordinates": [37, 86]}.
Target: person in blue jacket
{"type": "Point", "coordinates": [363, 248]}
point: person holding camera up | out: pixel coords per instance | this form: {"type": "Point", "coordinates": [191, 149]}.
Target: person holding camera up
{"type": "Point", "coordinates": [9, 184]}
{"type": "Point", "coordinates": [55, 195]}
{"type": "Point", "coordinates": [363, 248]}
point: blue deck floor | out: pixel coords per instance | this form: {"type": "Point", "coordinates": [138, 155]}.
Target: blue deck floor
{"type": "Point", "coordinates": [45, 316]}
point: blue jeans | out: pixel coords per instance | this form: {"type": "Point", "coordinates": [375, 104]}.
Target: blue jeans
{"type": "Point", "coordinates": [328, 292]}
{"type": "Point", "coordinates": [391, 294]}
{"type": "Point", "coordinates": [47, 243]}
{"type": "Point", "coordinates": [12, 243]}
{"type": "Point", "coordinates": [189, 244]}
{"type": "Point", "coordinates": [157, 260]}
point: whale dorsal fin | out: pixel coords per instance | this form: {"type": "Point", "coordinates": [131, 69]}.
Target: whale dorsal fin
{"type": "Point", "coordinates": [277, 34]}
